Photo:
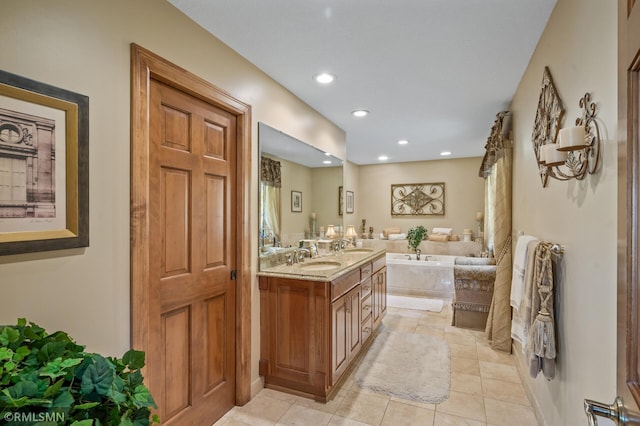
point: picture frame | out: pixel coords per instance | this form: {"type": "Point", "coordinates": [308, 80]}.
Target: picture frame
{"type": "Point", "coordinates": [349, 202]}
{"type": "Point", "coordinates": [296, 201]}
{"type": "Point", "coordinates": [44, 147]}
{"type": "Point", "coordinates": [340, 201]}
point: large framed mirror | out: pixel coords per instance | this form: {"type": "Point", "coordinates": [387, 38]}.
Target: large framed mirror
{"type": "Point", "coordinates": [298, 190]}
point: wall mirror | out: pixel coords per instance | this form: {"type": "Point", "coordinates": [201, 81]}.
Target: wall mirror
{"type": "Point", "coordinates": [298, 190]}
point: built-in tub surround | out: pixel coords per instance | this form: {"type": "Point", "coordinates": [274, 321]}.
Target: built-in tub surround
{"type": "Point", "coordinates": [453, 248]}
{"type": "Point", "coordinates": [432, 277]}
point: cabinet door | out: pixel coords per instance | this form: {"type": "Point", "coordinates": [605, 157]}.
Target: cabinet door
{"type": "Point", "coordinates": [375, 294]}
{"type": "Point", "coordinates": [354, 320]}
{"type": "Point", "coordinates": [340, 343]}
{"type": "Point", "coordinates": [383, 291]}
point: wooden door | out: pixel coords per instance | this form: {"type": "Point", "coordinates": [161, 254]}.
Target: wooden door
{"type": "Point", "coordinates": [339, 337]}
{"type": "Point", "coordinates": [184, 244]}
{"type": "Point", "coordinates": [354, 320]}
{"type": "Point", "coordinates": [628, 333]}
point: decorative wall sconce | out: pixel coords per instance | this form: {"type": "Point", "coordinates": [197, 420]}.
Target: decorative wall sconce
{"type": "Point", "coordinates": [578, 149]}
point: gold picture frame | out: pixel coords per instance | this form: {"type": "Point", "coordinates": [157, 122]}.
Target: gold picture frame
{"type": "Point", "coordinates": [44, 146]}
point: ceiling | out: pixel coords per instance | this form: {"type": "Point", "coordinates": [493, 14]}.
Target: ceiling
{"type": "Point", "coordinates": [433, 72]}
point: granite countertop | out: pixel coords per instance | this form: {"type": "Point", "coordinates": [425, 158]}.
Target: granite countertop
{"type": "Point", "coordinates": [324, 268]}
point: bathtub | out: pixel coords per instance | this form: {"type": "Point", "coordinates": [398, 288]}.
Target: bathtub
{"type": "Point", "coordinates": [431, 276]}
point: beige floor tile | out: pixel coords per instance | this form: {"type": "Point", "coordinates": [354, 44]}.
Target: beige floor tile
{"type": "Point", "coordinates": [486, 353]}
{"type": "Point", "coordinates": [502, 413]}
{"type": "Point", "coordinates": [363, 407]}
{"type": "Point", "coordinates": [463, 405]}
{"type": "Point", "coordinates": [261, 410]}
{"type": "Point", "coordinates": [443, 419]}
{"type": "Point", "coordinates": [504, 391]}
{"type": "Point", "coordinates": [463, 351]}
{"type": "Point", "coordinates": [328, 407]}
{"type": "Point", "coordinates": [465, 366]}
{"type": "Point", "coordinates": [459, 338]}
{"type": "Point", "coordinates": [298, 415]}
{"type": "Point", "coordinates": [414, 403]}
{"type": "Point", "coordinates": [466, 383]}
{"type": "Point", "coordinates": [497, 371]}
{"type": "Point", "coordinates": [343, 421]}
{"type": "Point", "coordinates": [404, 414]}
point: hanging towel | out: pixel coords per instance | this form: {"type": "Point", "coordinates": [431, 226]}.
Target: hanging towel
{"type": "Point", "coordinates": [522, 316]}
{"type": "Point", "coordinates": [519, 265]}
{"type": "Point", "coordinates": [541, 343]}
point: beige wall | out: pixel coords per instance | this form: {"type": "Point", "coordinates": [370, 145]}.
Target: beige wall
{"type": "Point", "coordinates": [326, 181]}
{"type": "Point", "coordinates": [83, 46]}
{"type": "Point", "coordinates": [579, 47]}
{"type": "Point", "coordinates": [464, 193]}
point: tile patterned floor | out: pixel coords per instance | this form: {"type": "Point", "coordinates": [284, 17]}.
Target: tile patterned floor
{"type": "Point", "coordinates": [485, 389]}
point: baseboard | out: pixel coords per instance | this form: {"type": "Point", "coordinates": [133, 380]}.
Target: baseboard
{"type": "Point", "coordinates": [256, 386]}
{"type": "Point", "coordinates": [523, 371]}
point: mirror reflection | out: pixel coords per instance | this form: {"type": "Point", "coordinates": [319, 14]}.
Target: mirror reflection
{"type": "Point", "coordinates": [299, 191]}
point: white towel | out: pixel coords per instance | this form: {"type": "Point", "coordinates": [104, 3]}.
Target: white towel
{"type": "Point", "coordinates": [445, 231]}
{"type": "Point", "coordinates": [519, 266]}
{"type": "Point", "coordinates": [397, 237]}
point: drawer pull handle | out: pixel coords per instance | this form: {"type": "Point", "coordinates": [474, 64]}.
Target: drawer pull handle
{"type": "Point", "coordinates": [367, 330]}
{"type": "Point", "coordinates": [366, 288]}
{"type": "Point", "coordinates": [366, 308]}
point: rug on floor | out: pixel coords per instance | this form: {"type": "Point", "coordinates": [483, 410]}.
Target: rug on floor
{"type": "Point", "coordinates": [420, 303]}
{"type": "Point", "coordinates": [408, 366]}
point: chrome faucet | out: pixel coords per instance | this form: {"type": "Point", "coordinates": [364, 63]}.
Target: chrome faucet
{"type": "Point", "coordinates": [300, 254]}
{"type": "Point", "coordinates": [418, 254]}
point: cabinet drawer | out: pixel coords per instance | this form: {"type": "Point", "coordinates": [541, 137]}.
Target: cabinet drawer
{"type": "Point", "coordinates": [345, 283]}
{"type": "Point", "coordinates": [366, 306]}
{"type": "Point", "coordinates": [367, 328]}
{"type": "Point", "coordinates": [379, 263]}
{"type": "Point", "coordinates": [366, 287]}
{"type": "Point", "coordinates": [365, 272]}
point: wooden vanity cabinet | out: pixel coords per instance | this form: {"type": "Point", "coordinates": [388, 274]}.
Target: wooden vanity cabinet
{"type": "Point", "coordinates": [312, 331]}
{"type": "Point", "coordinates": [379, 291]}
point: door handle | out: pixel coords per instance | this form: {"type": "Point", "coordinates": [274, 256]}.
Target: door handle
{"type": "Point", "coordinates": [616, 412]}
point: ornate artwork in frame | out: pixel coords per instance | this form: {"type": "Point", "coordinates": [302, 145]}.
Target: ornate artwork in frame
{"type": "Point", "coordinates": [417, 199]}
{"type": "Point", "coordinates": [296, 201]}
{"type": "Point", "coordinates": [549, 115]}
{"type": "Point", "coordinates": [44, 152]}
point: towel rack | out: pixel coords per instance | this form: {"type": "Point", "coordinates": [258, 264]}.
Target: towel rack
{"type": "Point", "coordinates": [557, 249]}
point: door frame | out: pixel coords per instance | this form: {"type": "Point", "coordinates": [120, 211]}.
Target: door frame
{"type": "Point", "coordinates": [146, 65]}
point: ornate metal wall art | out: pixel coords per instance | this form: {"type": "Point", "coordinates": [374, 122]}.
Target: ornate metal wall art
{"type": "Point", "coordinates": [547, 123]}
{"type": "Point", "coordinates": [417, 199]}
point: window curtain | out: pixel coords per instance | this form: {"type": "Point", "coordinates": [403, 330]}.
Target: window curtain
{"type": "Point", "coordinates": [497, 169]}
{"type": "Point", "coordinates": [270, 184]}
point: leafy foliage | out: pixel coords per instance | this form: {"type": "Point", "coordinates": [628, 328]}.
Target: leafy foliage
{"type": "Point", "coordinates": [416, 235]}
{"type": "Point", "coordinates": [42, 373]}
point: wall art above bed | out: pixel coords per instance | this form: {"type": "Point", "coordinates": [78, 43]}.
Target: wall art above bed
{"type": "Point", "coordinates": [417, 199]}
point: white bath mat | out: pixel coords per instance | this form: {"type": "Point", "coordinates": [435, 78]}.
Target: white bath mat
{"type": "Point", "coordinates": [419, 303]}
{"type": "Point", "coordinates": [408, 366]}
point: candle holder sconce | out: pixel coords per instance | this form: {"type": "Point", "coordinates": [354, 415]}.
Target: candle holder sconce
{"type": "Point", "coordinates": [578, 149]}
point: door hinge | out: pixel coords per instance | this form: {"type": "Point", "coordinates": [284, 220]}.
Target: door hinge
{"type": "Point", "coordinates": [233, 274]}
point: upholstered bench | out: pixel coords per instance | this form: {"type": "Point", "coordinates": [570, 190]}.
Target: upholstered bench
{"type": "Point", "coordinates": [473, 290]}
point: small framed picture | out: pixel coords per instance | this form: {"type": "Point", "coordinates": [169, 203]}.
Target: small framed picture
{"type": "Point", "coordinates": [349, 202]}
{"type": "Point", "coordinates": [296, 201]}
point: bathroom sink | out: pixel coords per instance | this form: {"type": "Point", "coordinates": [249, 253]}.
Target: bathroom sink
{"type": "Point", "coordinates": [358, 250]}
{"type": "Point", "coordinates": [319, 266]}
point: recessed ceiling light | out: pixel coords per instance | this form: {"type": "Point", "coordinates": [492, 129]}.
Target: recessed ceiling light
{"type": "Point", "coordinates": [327, 154]}
{"type": "Point", "coordinates": [403, 142]}
{"type": "Point", "coordinates": [445, 153]}
{"type": "Point", "coordinates": [326, 162]}
{"type": "Point", "coordinates": [324, 78]}
{"type": "Point", "coordinates": [360, 113]}
{"type": "Point", "coordinates": [383, 158]}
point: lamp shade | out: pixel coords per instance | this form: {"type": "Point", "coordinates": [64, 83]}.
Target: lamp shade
{"type": "Point", "coordinates": [553, 157]}
{"type": "Point", "coordinates": [351, 231]}
{"type": "Point", "coordinates": [572, 138]}
{"type": "Point", "coordinates": [331, 231]}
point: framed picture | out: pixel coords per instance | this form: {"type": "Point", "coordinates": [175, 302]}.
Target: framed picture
{"type": "Point", "coordinates": [44, 158]}
{"type": "Point", "coordinates": [340, 201]}
{"type": "Point", "coordinates": [296, 201]}
{"type": "Point", "coordinates": [349, 202]}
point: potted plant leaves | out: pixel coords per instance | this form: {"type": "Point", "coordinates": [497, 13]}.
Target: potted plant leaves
{"type": "Point", "coordinates": [415, 236]}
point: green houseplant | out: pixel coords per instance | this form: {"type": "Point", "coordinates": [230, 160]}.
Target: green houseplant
{"type": "Point", "coordinates": [415, 236]}
{"type": "Point", "coordinates": [48, 379]}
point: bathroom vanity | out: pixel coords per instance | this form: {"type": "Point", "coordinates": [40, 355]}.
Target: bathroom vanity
{"type": "Point", "coordinates": [317, 318]}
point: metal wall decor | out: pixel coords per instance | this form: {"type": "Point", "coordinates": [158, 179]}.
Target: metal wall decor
{"type": "Point", "coordinates": [417, 199]}
{"type": "Point", "coordinates": [578, 149]}
{"type": "Point", "coordinates": [547, 123]}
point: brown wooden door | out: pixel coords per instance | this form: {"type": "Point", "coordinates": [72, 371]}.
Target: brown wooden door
{"type": "Point", "coordinates": [192, 253]}
{"type": "Point", "coordinates": [190, 166]}
{"type": "Point", "coordinates": [354, 321]}
{"type": "Point", "coordinates": [339, 337]}
{"type": "Point", "coordinates": [628, 380]}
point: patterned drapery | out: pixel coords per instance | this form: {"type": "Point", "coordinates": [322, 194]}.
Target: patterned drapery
{"type": "Point", "coordinates": [270, 172]}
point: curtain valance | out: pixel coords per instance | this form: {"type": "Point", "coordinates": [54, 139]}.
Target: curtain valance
{"type": "Point", "coordinates": [497, 141]}
{"type": "Point", "coordinates": [270, 172]}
